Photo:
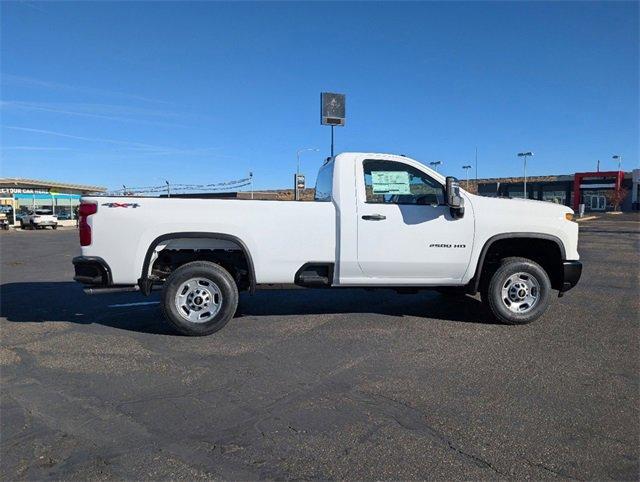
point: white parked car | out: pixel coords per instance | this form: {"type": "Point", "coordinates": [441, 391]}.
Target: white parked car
{"type": "Point", "coordinates": [379, 221]}
{"type": "Point", "coordinates": [39, 219]}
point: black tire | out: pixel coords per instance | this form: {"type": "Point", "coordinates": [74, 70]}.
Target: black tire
{"type": "Point", "coordinates": [492, 291]}
{"type": "Point", "coordinates": [213, 273]}
{"type": "Point", "coordinates": [55, 226]}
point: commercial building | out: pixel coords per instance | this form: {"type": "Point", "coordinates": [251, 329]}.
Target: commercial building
{"type": "Point", "coordinates": [593, 189]}
{"type": "Point", "coordinates": [19, 196]}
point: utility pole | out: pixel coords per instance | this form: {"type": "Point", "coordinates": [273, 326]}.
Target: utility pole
{"type": "Point", "coordinates": [435, 164]}
{"type": "Point", "coordinates": [168, 188]}
{"type": "Point", "coordinates": [525, 155]}
{"type": "Point", "coordinates": [251, 181]}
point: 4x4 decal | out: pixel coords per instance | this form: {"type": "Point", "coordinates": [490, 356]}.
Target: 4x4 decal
{"type": "Point", "coordinates": [122, 205]}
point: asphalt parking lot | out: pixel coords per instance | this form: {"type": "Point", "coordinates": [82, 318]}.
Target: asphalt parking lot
{"type": "Point", "coordinates": [319, 384]}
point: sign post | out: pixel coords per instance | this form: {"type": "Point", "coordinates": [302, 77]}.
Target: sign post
{"type": "Point", "coordinates": [332, 111]}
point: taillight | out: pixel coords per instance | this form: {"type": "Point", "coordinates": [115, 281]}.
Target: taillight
{"type": "Point", "coordinates": [86, 210]}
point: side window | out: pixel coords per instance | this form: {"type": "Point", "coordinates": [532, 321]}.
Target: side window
{"type": "Point", "coordinates": [390, 182]}
{"type": "Point", "coordinates": [324, 183]}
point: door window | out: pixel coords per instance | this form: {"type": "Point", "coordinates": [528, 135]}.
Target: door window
{"type": "Point", "coordinates": [390, 182]}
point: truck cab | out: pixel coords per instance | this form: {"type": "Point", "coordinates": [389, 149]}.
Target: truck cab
{"type": "Point", "coordinates": [377, 221]}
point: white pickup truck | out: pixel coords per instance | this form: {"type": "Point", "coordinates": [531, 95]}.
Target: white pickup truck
{"type": "Point", "coordinates": [378, 221]}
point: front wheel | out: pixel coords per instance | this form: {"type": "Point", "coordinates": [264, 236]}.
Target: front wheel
{"type": "Point", "coordinates": [519, 292]}
{"type": "Point", "coordinates": [199, 298]}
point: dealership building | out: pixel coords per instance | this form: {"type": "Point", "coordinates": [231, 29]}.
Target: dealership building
{"type": "Point", "coordinates": [593, 189]}
{"type": "Point", "coordinates": [19, 196]}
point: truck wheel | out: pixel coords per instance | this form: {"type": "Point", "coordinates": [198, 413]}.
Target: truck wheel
{"type": "Point", "coordinates": [519, 292]}
{"type": "Point", "coordinates": [199, 298]}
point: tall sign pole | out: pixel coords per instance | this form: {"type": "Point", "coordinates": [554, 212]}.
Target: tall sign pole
{"type": "Point", "coordinates": [332, 111]}
{"type": "Point", "coordinates": [332, 141]}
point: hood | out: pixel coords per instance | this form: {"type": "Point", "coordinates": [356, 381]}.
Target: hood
{"type": "Point", "coordinates": [519, 204]}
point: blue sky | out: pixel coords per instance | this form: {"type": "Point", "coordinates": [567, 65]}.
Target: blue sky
{"type": "Point", "coordinates": [134, 93]}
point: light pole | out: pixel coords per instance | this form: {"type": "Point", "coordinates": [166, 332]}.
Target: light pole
{"type": "Point", "coordinates": [619, 159]}
{"type": "Point", "coordinates": [466, 169]}
{"type": "Point", "coordinates": [314, 149]}
{"type": "Point", "coordinates": [525, 155]}
{"type": "Point", "coordinates": [435, 164]}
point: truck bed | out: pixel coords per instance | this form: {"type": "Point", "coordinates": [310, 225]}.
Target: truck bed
{"type": "Point", "coordinates": [281, 236]}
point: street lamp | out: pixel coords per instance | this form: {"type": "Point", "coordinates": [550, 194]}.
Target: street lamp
{"type": "Point", "coordinates": [466, 168]}
{"type": "Point", "coordinates": [525, 155]}
{"type": "Point", "coordinates": [619, 159]}
{"type": "Point", "coordinates": [314, 149]}
{"type": "Point", "coordinates": [435, 164]}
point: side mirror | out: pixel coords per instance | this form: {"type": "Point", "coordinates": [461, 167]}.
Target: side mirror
{"type": "Point", "coordinates": [454, 200]}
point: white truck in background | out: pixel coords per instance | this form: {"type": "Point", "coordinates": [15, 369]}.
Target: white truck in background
{"type": "Point", "coordinates": [39, 219]}
{"type": "Point", "coordinates": [378, 221]}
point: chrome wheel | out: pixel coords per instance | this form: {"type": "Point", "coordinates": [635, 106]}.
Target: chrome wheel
{"type": "Point", "coordinates": [520, 292]}
{"type": "Point", "coordinates": [198, 300]}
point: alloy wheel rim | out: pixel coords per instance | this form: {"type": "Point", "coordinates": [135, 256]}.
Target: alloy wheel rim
{"type": "Point", "coordinates": [198, 300]}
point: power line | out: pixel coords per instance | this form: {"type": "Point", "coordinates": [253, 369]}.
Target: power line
{"type": "Point", "coordinates": [220, 186]}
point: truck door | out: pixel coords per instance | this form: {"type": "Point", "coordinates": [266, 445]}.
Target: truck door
{"type": "Point", "coordinates": [406, 233]}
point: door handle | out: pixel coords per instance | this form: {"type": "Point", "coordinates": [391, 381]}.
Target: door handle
{"type": "Point", "coordinates": [373, 217]}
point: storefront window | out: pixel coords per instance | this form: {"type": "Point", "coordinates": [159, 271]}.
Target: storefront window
{"type": "Point", "coordinates": [516, 194]}
{"type": "Point", "coordinates": [65, 206]}
{"type": "Point", "coordinates": [557, 197]}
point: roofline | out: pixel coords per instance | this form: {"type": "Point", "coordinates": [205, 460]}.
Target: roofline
{"type": "Point", "coordinates": [51, 184]}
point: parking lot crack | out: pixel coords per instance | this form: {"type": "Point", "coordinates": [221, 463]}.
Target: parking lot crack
{"type": "Point", "coordinates": [557, 473]}
{"type": "Point", "coordinates": [411, 418]}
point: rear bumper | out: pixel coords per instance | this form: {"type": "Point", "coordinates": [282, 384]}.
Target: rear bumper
{"type": "Point", "coordinates": [91, 270]}
{"type": "Point", "coordinates": [571, 271]}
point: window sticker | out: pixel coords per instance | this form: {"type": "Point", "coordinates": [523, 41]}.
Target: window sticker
{"type": "Point", "coordinates": [390, 182]}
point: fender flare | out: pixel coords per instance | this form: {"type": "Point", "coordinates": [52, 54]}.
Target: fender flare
{"type": "Point", "coordinates": [474, 284]}
{"type": "Point", "coordinates": [145, 284]}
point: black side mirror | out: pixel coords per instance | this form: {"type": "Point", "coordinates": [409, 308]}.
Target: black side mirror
{"type": "Point", "coordinates": [454, 200]}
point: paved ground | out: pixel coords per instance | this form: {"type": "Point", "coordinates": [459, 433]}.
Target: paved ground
{"type": "Point", "coordinates": [319, 384]}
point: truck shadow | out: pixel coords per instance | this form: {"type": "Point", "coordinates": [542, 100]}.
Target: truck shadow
{"type": "Point", "coordinates": [66, 302]}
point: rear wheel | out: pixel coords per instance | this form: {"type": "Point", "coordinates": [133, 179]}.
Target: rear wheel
{"type": "Point", "coordinates": [518, 292]}
{"type": "Point", "coordinates": [199, 298]}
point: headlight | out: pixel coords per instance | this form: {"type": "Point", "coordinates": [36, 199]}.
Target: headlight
{"type": "Point", "coordinates": [569, 217]}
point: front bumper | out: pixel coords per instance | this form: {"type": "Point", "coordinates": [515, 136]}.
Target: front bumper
{"type": "Point", "coordinates": [571, 271]}
{"type": "Point", "coordinates": [91, 270]}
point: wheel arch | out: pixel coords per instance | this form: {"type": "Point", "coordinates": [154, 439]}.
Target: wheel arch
{"type": "Point", "coordinates": [474, 284]}
{"type": "Point", "coordinates": [145, 283]}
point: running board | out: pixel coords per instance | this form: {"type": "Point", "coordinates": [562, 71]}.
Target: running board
{"type": "Point", "coordinates": [111, 289]}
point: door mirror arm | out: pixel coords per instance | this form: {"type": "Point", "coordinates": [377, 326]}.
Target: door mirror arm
{"type": "Point", "coordinates": [453, 198]}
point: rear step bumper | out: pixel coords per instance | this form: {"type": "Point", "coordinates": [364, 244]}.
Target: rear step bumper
{"type": "Point", "coordinates": [91, 270]}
